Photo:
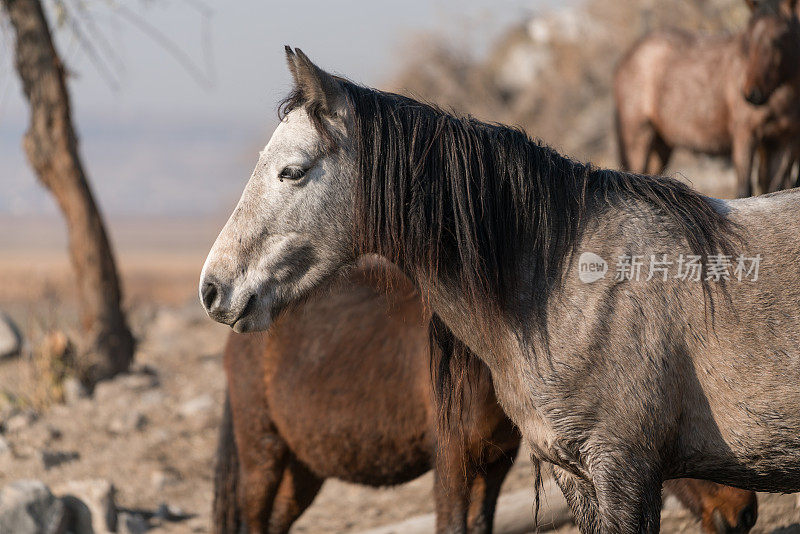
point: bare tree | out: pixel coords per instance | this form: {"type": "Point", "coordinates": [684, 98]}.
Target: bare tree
{"type": "Point", "coordinates": [52, 149]}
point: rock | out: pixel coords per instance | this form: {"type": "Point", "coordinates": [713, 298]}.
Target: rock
{"type": "Point", "coordinates": [52, 459]}
{"type": "Point", "coordinates": [53, 433]}
{"type": "Point", "coordinates": [10, 338]}
{"type": "Point", "coordinates": [140, 381]}
{"type": "Point", "coordinates": [111, 390]}
{"type": "Point", "coordinates": [28, 507]}
{"type": "Point", "coordinates": [20, 420]}
{"type": "Point", "coordinates": [130, 523]}
{"type": "Point", "coordinates": [197, 405]}
{"type": "Point", "coordinates": [166, 512]}
{"type": "Point", "coordinates": [165, 477]}
{"type": "Point", "coordinates": [128, 422]}
{"type": "Point", "coordinates": [92, 505]}
{"type": "Point", "coordinates": [74, 390]}
{"type": "Point", "coordinates": [5, 447]}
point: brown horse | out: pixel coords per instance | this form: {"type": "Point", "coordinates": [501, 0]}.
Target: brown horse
{"type": "Point", "coordinates": [342, 388]}
{"type": "Point", "coordinates": [737, 95]}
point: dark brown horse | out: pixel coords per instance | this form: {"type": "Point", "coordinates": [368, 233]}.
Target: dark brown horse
{"type": "Point", "coordinates": [737, 95]}
{"type": "Point", "coordinates": [342, 388]}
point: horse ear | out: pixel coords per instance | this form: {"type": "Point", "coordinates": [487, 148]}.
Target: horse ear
{"type": "Point", "coordinates": [317, 86]}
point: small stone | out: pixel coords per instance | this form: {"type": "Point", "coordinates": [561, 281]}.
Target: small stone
{"type": "Point", "coordinates": [10, 338]}
{"type": "Point", "coordinates": [166, 512]}
{"type": "Point", "coordinates": [5, 447]}
{"type": "Point", "coordinates": [51, 459]}
{"type": "Point", "coordinates": [128, 422]}
{"type": "Point", "coordinates": [140, 381]}
{"type": "Point", "coordinates": [20, 420]}
{"type": "Point", "coordinates": [92, 504]}
{"type": "Point", "coordinates": [29, 507]}
{"type": "Point", "coordinates": [197, 405]}
{"type": "Point", "coordinates": [74, 390]}
{"type": "Point", "coordinates": [130, 523]}
{"type": "Point", "coordinates": [164, 477]}
{"type": "Point", "coordinates": [111, 390]}
{"type": "Point", "coordinates": [54, 433]}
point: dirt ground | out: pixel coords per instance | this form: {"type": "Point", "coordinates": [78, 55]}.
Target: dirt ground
{"type": "Point", "coordinates": [153, 432]}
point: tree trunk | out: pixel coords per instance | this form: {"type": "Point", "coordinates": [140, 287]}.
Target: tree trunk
{"type": "Point", "coordinates": [52, 149]}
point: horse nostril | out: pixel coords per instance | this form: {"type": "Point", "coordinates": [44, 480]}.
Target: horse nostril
{"type": "Point", "coordinates": [210, 293]}
{"type": "Point", "coordinates": [251, 303]}
{"type": "Point", "coordinates": [747, 518]}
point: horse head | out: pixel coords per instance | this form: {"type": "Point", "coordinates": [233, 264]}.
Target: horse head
{"type": "Point", "coordinates": [291, 229]}
{"type": "Point", "coordinates": [771, 48]}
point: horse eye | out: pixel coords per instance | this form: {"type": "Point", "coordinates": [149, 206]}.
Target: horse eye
{"type": "Point", "coordinates": [291, 173]}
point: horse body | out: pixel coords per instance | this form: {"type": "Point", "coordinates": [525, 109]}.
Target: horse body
{"type": "Point", "coordinates": [341, 388]}
{"type": "Point", "coordinates": [656, 97]}
{"type": "Point", "coordinates": [620, 384]}
{"type": "Point", "coordinates": [733, 95]}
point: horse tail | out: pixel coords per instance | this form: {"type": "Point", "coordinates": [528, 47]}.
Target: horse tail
{"type": "Point", "coordinates": [226, 516]}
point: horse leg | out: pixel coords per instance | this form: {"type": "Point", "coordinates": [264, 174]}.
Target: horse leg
{"type": "Point", "coordinates": [297, 490]}
{"type": "Point", "coordinates": [263, 456]}
{"type": "Point", "coordinates": [628, 497]}
{"type": "Point", "coordinates": [718, 508]}
{"type": "Point", "coordinates": [485, 491]}
{"type": "Point", "coordinates": [453, 477]}
{"type": "Point", "coordinates": [765, 173]}
{"type": "Point", "coordinates": [581, 498]}
{"type": "Point", "coordinates": [743, 162]}
{"type": "Point", "coordinates": [662, 152]}
{"type": "Point", "coordinates": [636, 143]}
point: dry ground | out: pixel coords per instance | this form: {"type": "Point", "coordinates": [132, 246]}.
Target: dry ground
{"type": "Point", "coordinates": [153, 432]}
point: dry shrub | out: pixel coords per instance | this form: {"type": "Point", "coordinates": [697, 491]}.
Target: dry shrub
{"type": "Point", "coordinates": [568, 101]}
{"type": "Point", "coordinates": [52, 361]}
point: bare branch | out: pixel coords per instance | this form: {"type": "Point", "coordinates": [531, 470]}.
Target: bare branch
{"type": "Point", "coordinates": [204, 77]}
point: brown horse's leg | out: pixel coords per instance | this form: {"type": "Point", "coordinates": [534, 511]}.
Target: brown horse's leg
{"type": "Point", "coordinates": [766, 158]}
{"type": "Point", "coordinates": [297, 490]}
{"type": "Point", "coordinates": [781, 178]}
{"type": "Point", "coordinates": [792, 175]}
{"type": "Point", "coordinates": [662, 152]}
{"type": "Point", "coordinates": [637, 144]}
{"type": "Point", "coordinates": [453, 477]}
{"type": "Point", "coordinates": [720, 509]}
{"type": "Point", "coordinates": [262, 459]}
{"type": "Point", "coordinates": [485, 491]}
{"type": "Point", "coordinates": [743, 162]}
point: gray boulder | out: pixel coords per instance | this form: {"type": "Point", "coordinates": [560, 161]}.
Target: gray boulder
{"type": "Point", "coordinates": [92, 505]}
{"type": "Point", "coordinates": [10, 338]}
{"type": "Point", "coordinates": [28, 507]}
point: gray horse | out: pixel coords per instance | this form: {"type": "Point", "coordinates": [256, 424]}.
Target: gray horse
{"type": "Point", "coordinates": [636, 331]}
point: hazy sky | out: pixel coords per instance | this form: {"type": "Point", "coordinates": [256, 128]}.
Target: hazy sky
{"type": "Point", "coordinates": [163, 143]}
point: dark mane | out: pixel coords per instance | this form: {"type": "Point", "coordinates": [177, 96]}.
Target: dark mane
{"type": "Point", "coordinates": [453, 196]}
